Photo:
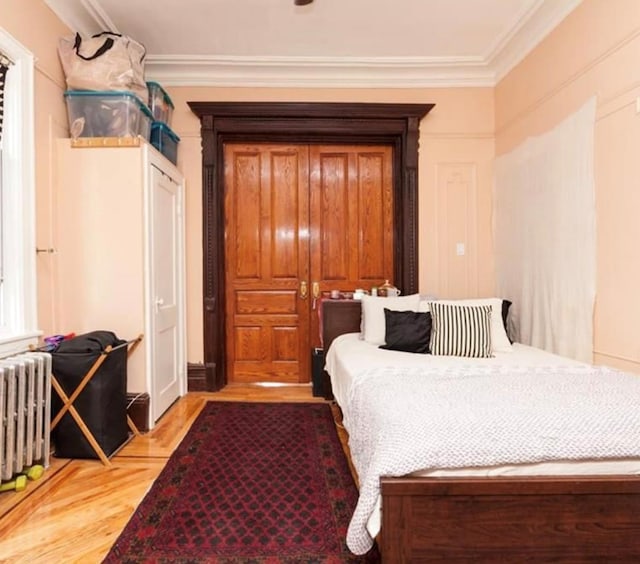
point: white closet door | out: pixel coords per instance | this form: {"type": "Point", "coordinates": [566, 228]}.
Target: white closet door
{"type": "Point", "coordinates": [166, 257]}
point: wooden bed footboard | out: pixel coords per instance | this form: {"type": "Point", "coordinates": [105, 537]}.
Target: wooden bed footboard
{"type": "Point", "coordinates": [508, 519]}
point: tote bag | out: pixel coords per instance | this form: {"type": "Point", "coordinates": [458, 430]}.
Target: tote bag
{"type": "Point", "coordinates": [105, 61]}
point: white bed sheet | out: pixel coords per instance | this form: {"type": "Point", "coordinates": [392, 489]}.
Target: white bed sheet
{"type": "Point", "coordinates": [349, 356]}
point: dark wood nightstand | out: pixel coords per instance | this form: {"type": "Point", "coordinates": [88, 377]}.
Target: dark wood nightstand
{"type": "Point", "coordinates": [338, 317]}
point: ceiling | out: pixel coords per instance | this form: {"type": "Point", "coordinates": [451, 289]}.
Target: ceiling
{"type": "Point", "coordinates": [331, 43]}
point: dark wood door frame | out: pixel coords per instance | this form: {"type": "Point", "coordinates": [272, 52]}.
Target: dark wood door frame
{"type": "Point", "coordinates": [301, 122]}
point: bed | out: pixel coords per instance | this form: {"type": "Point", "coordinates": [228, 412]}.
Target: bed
{"type": "Point", "coordinates": [540, 500]}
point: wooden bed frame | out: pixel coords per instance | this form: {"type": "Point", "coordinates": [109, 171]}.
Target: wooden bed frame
{"type": "Point", "coordinates": [501, 519]}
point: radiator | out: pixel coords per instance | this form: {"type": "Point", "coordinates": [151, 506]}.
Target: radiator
{"type": "Point", "coordinates": [25, 412]}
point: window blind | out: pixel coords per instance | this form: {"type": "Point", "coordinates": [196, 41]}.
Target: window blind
{"type": "Point", "coordinates": [5, 63]}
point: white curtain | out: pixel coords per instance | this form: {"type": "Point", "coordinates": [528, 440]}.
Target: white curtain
{"type": "Point", "coordinates": [544, 236]}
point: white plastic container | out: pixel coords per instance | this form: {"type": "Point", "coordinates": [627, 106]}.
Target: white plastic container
{"type": "Point", "coordinates": [160, 103]}
{"type": "Point", "coordinates": [94, 113]}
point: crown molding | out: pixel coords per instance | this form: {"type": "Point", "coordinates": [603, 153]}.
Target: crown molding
{"type": "Point", "coordinates": [318, 72]}
{"type": "Point", "coordinates": [532, 26]}
{"type": "Point", "coordinates": [83, 16]}
{"type": "Point", "coordinates": [529, 32]}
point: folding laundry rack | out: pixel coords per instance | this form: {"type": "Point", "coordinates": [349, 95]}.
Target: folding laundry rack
{"type": "Point", "coordinates": [68, 400]}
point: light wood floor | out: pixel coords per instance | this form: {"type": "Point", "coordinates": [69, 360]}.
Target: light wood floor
{"type": "Point", "coordinates": [78, 508]}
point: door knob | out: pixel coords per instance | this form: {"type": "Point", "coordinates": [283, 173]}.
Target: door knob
{"type": "Point", "coordinates": [315, 290]}
{"type": "Point", "coordinates": [304, 290]}
{"type": "Point", "coordinates": [159, 303]}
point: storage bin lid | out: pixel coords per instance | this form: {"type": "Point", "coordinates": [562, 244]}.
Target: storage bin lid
{"type": "Point", "coordinates": [110, 94]}
{"type": "Point", "coordinates": [164, 128]}
{"type": "Point", "coordinates": [167, 99]}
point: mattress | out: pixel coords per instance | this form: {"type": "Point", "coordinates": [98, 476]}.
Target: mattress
{"type": "Point", "coordinates": [349, 356]}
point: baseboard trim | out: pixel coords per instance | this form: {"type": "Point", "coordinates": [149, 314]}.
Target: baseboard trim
{"type": "Point", "coordinates": [138, 410]}
{"type": "Point", "coordinates": [196, 377]}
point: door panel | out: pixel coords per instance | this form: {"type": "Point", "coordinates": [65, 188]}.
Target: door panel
{"type": "Point", "coordinates": [295, 215]}
{"type": "Point", "coordinates": [165, 284]}
{"type": "Point", "coordinates": [351, 216]}
{"type": "Point", "coordinates": [332, 190]}
{"type": "Point", "coordinates": [266, 250]}
{"type": "Point", "coordinates": [374, 257]}
{"type": "Point", "coordinates": [351, 219]}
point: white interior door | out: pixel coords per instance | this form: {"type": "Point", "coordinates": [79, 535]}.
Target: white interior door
{"type": "Point", "coordinates": [167, 381]}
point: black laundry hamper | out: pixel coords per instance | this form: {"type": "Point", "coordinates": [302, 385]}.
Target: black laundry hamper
{"type": "Point", "coordinates": [102, 404]}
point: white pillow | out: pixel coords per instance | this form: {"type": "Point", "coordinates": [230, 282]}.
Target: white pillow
{"type": "Point", "coordinates": [499, 340]}
{"type": "Point", "coordinates": [373, 321]}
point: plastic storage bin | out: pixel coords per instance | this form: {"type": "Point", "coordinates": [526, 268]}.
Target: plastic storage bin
{"type": "Point", "coordinates": [160, 103]}
{"type": "Point", "coordinates": [165, 140]}
{"type": "Point", "coordinates": [94, 113]}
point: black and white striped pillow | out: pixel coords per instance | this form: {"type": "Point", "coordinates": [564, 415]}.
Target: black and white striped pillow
{"type": "Point", "coordinates": [461, 330]}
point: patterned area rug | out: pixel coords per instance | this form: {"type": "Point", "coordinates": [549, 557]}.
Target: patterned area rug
{"type": "Point", "coordinates": [250, 483]}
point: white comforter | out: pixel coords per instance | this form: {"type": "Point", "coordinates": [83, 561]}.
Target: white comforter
{"type": "Point", "coordinates": [402, 419]}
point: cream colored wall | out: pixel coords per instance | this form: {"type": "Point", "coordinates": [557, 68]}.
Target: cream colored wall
{"type": "Point", "coordinates": [455, 179]}
{"type": "Point", "coordinates": [32, 24]}
{"type": "Point", "coordinates": [594, 52]}
{"type": "Point", "coordinates": [456, 151]}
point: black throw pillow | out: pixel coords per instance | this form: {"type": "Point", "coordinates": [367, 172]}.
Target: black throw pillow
{"type": "Point", "coordinates": [506, 304]}
{"type": "Point", "coordinates": [407, 331]}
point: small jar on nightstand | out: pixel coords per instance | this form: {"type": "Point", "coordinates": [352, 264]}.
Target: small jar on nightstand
{"type": "Point", "coordinates": [389, 290]}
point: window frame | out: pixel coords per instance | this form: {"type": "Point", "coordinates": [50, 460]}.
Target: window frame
{"type": "Point", "coordinates": [18, 325]}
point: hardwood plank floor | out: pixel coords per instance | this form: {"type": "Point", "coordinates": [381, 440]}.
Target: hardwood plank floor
{"type": "Point", "coordinates": [75, 512]}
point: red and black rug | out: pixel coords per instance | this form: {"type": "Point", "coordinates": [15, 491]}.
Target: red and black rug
{"type": "Point", "coordinates": [250, 483]}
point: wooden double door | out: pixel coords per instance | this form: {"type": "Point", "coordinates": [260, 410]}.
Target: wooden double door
{"type": "Point", "coordinates": [300, 220]}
